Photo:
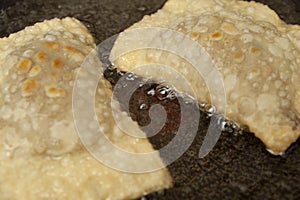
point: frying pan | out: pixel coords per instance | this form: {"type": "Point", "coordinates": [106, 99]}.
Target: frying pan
{"type": "Point", "coordinates": [239, 167]}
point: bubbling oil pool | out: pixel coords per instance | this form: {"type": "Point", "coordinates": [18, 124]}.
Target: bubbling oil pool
{"type": "Point", "coordinates": [167, 94]}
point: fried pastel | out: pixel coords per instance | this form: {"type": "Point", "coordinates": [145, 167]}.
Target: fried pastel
{"type": "Point", "coordinates": [257, 54]}
{"type": "Point", "coordinates": [40, 152]}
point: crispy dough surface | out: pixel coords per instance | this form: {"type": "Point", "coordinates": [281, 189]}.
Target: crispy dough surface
{"type": "Point", "coordinates": [257, 54]}
{"type": "Point", "coordinates": [40, 152]}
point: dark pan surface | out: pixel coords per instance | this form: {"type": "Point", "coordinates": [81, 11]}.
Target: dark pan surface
{"type": "Point", "coordinates": [239, 166]}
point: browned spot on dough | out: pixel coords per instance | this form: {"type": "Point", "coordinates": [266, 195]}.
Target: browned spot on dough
{"type": "Point", "coordinates": [55, 92]}
{"type": "Point", "coordinates": [57, 63]}
{"type": "Point", "coordinates": [255, 50]}
{"type": "Point", "coordinates": [195, 34]}
{"type": "Point", "coordinates": [52, 45]}
{"type": "Point", "coordinates": [29, 87]}
{"type": "Point", "coordinates": [41, 56]}
{"type": "Point", "coordinates": [52, 89]}
{"type": "Point", "coordinates": [24, 65]}
{"type": "Point", "coordinates": [216, 35]}
{"type": "Point", "coordinates": [238, 55]}
{"type": "Point", "coordinates": [53, 74]}
{"type": "Point", "coordinates": [72, 50]}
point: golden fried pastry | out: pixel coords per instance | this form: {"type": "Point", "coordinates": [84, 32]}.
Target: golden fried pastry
{"type": "Point", "coordinates": [256, 53]}
{"type": "Point", "coordinates": [40, 151]}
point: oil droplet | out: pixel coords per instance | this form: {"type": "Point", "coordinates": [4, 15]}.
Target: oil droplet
{"type": "Point", "coordinates": [202, 105]}
{"type": "Point", "coordinates": [227, 126]}
{"type": "Point", "coordinates": [171, 95]}
{"type": "Point", "coordinates": [151, 92]}
{"type": "Point", "coordinates": [121, 73]}
{"type": "Point", "coordinates": [131, 76]}
{"type": "Point", "coordinates": [162, 92]}
{"type": "Point", "coordinates": [210, 109]}
{"type": "Point", "coordinates": [143, 106]}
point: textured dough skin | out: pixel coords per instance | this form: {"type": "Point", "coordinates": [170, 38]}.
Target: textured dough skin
{"type": "Point", "coordinates": [40, 152]}
{"type": "Point", "coordinates": [257, 54]}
